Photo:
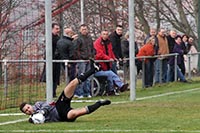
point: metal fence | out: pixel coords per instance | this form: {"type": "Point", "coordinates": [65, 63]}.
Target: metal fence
{"type": "Point", "coordinates": [20, 79]}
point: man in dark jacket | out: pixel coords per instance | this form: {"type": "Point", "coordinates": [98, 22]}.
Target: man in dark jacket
{"type": "Point", "coordinates": [171, 40]}
{"type": "Point", "coordinates": [83, 51]}
{"type": "Point", "coordinates": [65, 49]}
{"type": "Point", "coordinates": [56, 65]}
{"type": "Point", "coordinates": [115, 38]}
{"type": "Point", "coordinates": [125, 53]}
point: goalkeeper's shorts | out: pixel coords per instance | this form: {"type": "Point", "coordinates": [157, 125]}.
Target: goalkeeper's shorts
{"type": "Point", "coordinates": [63, 106]}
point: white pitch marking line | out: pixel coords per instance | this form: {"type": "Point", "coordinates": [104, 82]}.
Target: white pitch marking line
{"type": "Point", "coordinates": [12, 114]}
{"type": "Point", "coordinates": [160, 95]}
{"type": "Point", "coordinates": [166, 94]}
{"type": "Point", "coordinates": [12, 122]}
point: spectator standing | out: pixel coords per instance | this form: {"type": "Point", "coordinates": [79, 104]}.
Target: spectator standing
{"type": "Point", "coordinates": [147, 50]}
{"type": "Point", "coordinates": [65, 48]}
{"type": "Point", "coordinates": [152, 33]}
{"type": "Point", "coordinates": [161, 62]}
{"type": "Point", "coordinates": [115, 38]}
{"type": "Point", "coordinates": [194, 58]}
{"type": "Point", "coordinates": [104, 51]}
{"type": "Point", "coordinates": [171, 40]}
{"type": "Point", "coordinates": [84, 50]}
{"type": "Point", "coordinates": [56, 65]}
{"type": "Point", "coordinates": [125, 53]}
{"type": "Point", "coordinates": [184, 46]}
{"type": "Point", "coordinates": [190, 44]}
{"type": "Point", "coordinates": [171, 43]}
{"type": "Point", "coordinates": [177, 49]}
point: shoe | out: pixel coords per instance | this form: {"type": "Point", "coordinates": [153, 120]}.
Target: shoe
{"type": "Point", "coordinates": [76, 96]}
{"type": "Point", "coordinates": [147, 86]}
{"type": "Point", "coordinates": [117, 94]}
{"type": "Point", "coordinates": [80, 97]}
{"type": "Point", "coordinates": [104, 102]}
{"type": "Point", "coordinates": [89, 96]}
{"type": "Point", "coordinates": [110, 93]}
{"type": "Point", "coordinates": [124, 88]}
{"type": "Point", "coordinates": [94, 65]}
{"type": "Point", "coordinates": [184, 81]}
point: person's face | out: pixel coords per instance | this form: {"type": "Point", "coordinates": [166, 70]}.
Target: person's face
{"type": "Point", "coordinates": [152, 32]}
{"type": "Point", "coordinates": [185, 38]}
{"type": "Point", "coordinates": [69, 32]}
{"type": "Point", "coordinates": [119, 30]}
{"type": "Point", "coordinates": [178, 40]}
{"type": "Point", "coordinates": [104, 35]}
{"type": "Point", "coordinates": [190, 40]}
{"type": "Point", "coordinates": [153, 41]}
{"type": "Point", "coordinates": [28, 109]}
{"type": "Point", "coordinates": [173, 34]}
{"type": "Point", "coordinates": [56, 30]}
{"type": "Point", "coordinates": [162, 32]}
{"type": "Point", "coordinates": [84, 30]}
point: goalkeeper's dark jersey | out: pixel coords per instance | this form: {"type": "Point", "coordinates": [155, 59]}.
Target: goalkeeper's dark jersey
{"type": "Point", "coordinates": [51, 114]}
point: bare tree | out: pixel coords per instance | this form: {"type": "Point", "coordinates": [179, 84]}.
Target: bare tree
{"type": "Point", "coordinates": [177, 14]}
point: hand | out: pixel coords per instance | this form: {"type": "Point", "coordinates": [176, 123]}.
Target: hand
{"type": "Point", "coordinates": [120, 59]}
{"type": "Point", "coordinates": [75, 36]}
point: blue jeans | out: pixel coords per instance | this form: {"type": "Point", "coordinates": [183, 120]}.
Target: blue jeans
{"type": "Point", "coordinates": [161, 67]}
{"type": "Point", "coordinates": [84, 88]}
{"type": "Point", "coordinates": [179, 74]}
{"type": "Point", "coordinates": [114, 67]}
{"type": "Point", "coordinates": [113, 79]}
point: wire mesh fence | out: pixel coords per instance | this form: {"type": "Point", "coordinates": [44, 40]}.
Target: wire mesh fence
{"type": "Point", "coordinates": [20, 80]}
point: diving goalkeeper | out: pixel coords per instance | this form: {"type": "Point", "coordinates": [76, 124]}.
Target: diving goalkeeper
{"type": "Point", "coordinates": [62, 111]}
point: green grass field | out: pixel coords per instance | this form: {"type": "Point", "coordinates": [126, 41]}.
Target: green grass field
{"type": "Point", "coordinates": [166, 108]}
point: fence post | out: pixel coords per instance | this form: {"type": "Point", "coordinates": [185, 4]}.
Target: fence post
{"type": "Point", "coordinates": [66, 72]}
{"type": "Point", "coordinates": [160, 74]}
{"type": "Point", "coordinates": [5, 78]}
{"type": "Point", "coordinates": [143, 72]}
{"type": "Point", "coordinates": [189, 67]}
{"type": "Point", "coordinates": [175, 67]}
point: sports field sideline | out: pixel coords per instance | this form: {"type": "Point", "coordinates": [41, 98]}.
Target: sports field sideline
{"type": "Point", "coordinates": [170, 108]}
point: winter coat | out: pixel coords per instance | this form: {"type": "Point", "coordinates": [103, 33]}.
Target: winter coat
{"type": "Point", "coordinates": [146, 50]}
{"type": "Point", "coordinates": [65, 48]}
{"type": "Point", "coordinates": [116, 44]}
{"type": "Point", "coordinates": [84, 47]}
{"type": "Point", "coordinates": [125, 48]}
{"type": "Point", "coordinates": [171, 42]}
{"type": "Point", "coordinates": [103, 54]}
{"type": "Point", "coordinates": [177, 49]}
{"type": "Point", "coordinates": [186, 47]}
{"type": "Point", "coordinates": [56, 65]}
{"type": "Point", "coordinates": [156, 46]}
{"type": "Point", "coordinates": [163, 45]}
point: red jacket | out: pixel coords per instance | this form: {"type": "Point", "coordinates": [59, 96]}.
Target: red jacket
{"type": "Point", "coordinates": [146, 50]}
{"type": "Point", "coordinates": [100, 48]}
